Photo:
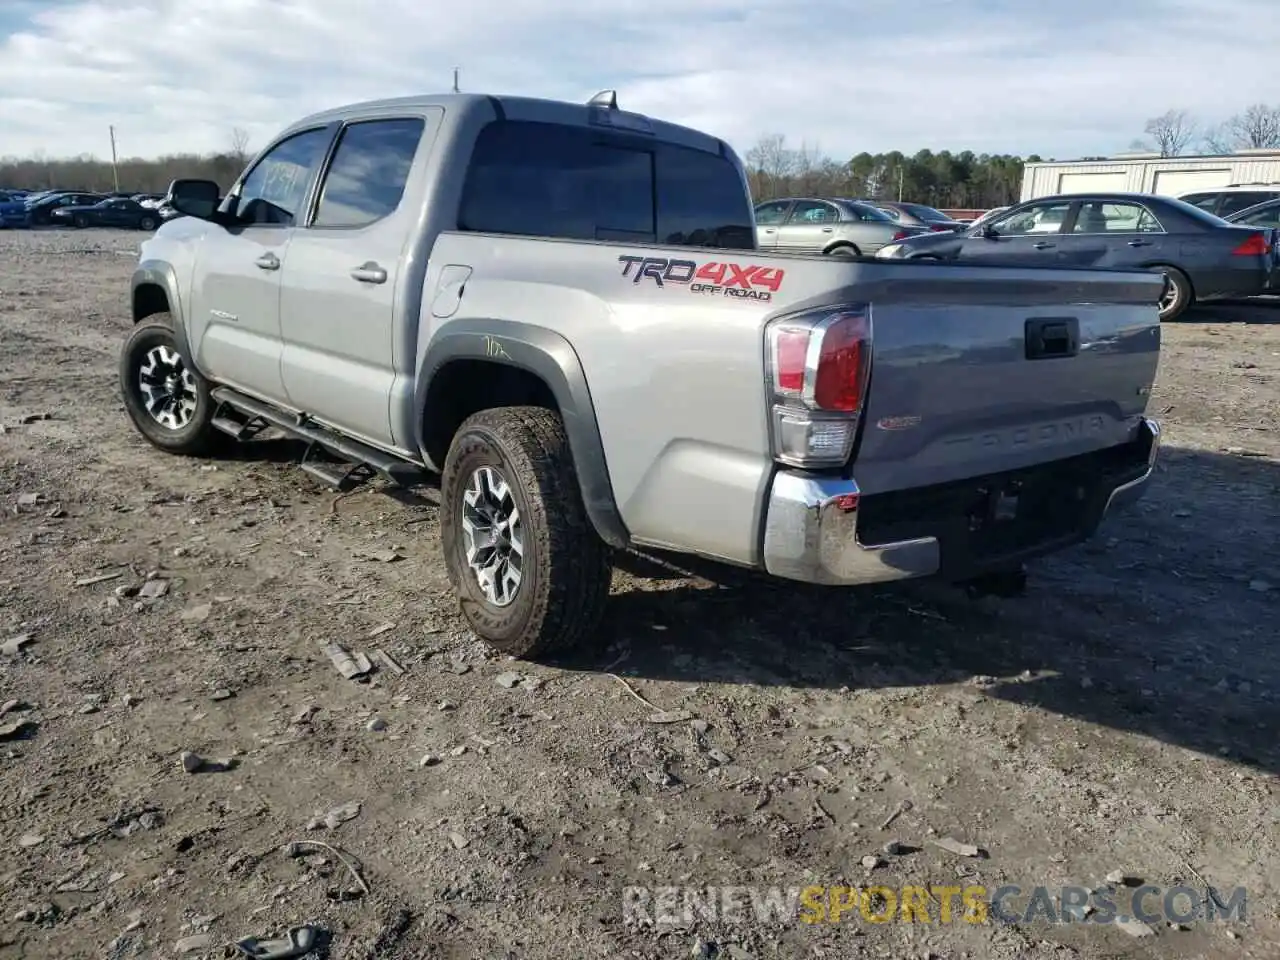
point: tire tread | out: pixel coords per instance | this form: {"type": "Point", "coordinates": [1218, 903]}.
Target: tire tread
{"type": "Point", "coordinates": [575, 563]}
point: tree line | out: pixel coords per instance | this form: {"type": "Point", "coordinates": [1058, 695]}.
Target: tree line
{"type": "Point", "coordinates": [964, 180]}
{"type": "Point", "coordinates": [136, 174]}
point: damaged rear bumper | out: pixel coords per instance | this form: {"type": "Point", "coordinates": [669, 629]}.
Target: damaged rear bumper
{"type": "Point", "coordinates": [823, 530]}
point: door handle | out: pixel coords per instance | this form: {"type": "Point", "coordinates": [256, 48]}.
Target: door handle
{"type": "Point", "coordinates": [1139, 243]}
{"type": "Point", "coordinates": [827, 229]}
{"type": "Point", "coordinates": [769, 230]}
{"type": "Point", "coordinates": [1042, 245]}
{"type": "Point", "coordinates": [369, 272]}
{"type": "Point", "coordinates": [268, 261]}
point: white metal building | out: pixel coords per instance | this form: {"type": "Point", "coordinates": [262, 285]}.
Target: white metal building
{"type": "Point", "coordinates": [1148, 173]}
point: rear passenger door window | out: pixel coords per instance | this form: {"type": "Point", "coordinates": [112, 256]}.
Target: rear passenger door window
{"type": "Point", "coordinates": [276, 188]}
{"type": "Point", "coordinates": [554, 180]}
{"type": "Point", "coordinates": [1098, 217]}
{"type": "Point", "coordinates": [578, 183]}
{"type": "Point", "coordinates": [366, 179]}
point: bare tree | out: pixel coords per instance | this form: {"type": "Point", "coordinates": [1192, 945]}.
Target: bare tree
{"type": "Point", "coordinates": [1171, 132]}
{"type": "Point", "coordinates": [240, 145]}
{"type": "Point", "coordinates": [772, 165]}
{"type": "Point", "coordinates": [1218, 139]}
{"type": "Point", "coordinates": [1258, 127]}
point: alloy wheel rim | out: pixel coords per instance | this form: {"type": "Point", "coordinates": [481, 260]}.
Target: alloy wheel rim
{"type": "Point", "coordinates": [493, 535]}
{"type": "Point", "coordinates": [168, 388]}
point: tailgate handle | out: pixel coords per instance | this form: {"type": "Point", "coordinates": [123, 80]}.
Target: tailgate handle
{"type": "Point", "coordinates": [1049, 337]}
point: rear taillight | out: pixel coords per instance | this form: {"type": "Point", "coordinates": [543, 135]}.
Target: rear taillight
{"type": "Point", "coordinates": [818, 364]}
{"type": "Point", "coordinates": [938, 228]}
{"type": "Point", "coordinates": [1255, 246]}
{"type": "Point", "coordinates": [901, 235]}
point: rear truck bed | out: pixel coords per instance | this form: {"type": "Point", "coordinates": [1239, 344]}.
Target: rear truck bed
{"type": "Point", "coordinates": [943, 419]}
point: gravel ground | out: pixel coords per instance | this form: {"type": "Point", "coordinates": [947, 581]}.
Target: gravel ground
{"type": "Point", "coordinates": [1121, 717]}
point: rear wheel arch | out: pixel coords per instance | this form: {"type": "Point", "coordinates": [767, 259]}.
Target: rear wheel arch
{"type": "Point", "coordinates": [1179, 276]}
{"type": "Point", "coordinates": [474, 365]}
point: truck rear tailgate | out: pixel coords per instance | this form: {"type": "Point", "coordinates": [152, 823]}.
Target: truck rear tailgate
{"type": "Point", "coordinates": [977, 371]}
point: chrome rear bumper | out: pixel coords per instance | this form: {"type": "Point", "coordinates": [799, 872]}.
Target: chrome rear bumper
{"type": "Point", "coordinates": [811, 528]}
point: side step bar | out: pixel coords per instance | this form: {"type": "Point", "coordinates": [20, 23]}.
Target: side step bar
{"type": "Point", "coordinates": [338, 461]}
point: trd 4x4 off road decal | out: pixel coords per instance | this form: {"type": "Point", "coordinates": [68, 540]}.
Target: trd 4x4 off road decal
{"type": "Point", "coordinates": [713, 278]}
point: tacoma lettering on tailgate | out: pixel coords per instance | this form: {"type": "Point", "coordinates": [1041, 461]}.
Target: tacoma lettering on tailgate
{"type": "Point", "coordinates": [713, 278]}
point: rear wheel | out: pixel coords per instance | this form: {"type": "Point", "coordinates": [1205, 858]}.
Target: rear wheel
{"type": "Point", "coordinates": [165, 397]}
{"type": "Point", "coordinates": [531, 574]}
{"type": "Point", "coordinates": [843, 250]}
{"type": "Point", "coordinates": [80, 220]}
{"type": "Point", "coordinates": [1177, 294]}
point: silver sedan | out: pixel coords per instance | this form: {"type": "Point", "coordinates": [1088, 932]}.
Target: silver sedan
{"type": "Point", "coordinates": [840, 228]}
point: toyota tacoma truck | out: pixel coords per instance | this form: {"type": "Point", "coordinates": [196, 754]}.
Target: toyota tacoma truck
{"type": "Point", "coordinates": [560, 310]}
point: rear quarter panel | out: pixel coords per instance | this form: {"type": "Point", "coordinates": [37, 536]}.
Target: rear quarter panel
{"type": "Point", "coordinates": [675, 372]}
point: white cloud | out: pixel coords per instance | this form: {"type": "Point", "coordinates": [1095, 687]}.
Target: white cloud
{"type": "Point", "coordinates": [1059, 79]}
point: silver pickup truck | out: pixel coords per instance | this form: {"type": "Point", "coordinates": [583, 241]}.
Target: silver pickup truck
{"type": "Point", "coordinates": [561, 310]}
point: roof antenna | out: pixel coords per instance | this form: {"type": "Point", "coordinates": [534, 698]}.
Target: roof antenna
{"type": "Point", "coordinates": [605, 98]}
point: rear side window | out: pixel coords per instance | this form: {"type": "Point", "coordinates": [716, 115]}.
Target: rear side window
{"type": "Point", "coordinates": [367, 177]}
{"type": "Point", "coordinates": [575, 183]}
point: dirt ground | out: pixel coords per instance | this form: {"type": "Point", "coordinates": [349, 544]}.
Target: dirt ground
{"type": "Point", "coordinates": [1123, 716]}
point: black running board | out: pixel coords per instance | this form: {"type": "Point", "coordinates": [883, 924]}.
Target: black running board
{"type": "Point", "coordinates": [348, 462]}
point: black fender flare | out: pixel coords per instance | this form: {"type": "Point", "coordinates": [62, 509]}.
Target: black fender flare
{"type": "Point", "coordinates": [159, 273]}
{"type": "Point", "coordinates": [550, 357]}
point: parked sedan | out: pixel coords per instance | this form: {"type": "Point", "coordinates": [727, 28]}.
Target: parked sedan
{"type": "Point", "coordinates": [1201, 256]}
{"type": "Point", "coordinates": [918, 215]}
{"type": "Point", "coordinates": [112, 212]}
{"type": "Point", "coordinates": [841, 228]}
{"type": "Point", "coordinates": [40, 212]}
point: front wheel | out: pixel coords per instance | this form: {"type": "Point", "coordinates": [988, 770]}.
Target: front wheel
{"type": "Point", "coordinates": [147, 223]}
{"type": "Point", "coordinates": [1177, 294]}
{"type": "Point", "coordinates": [165, 397]}
{"type": "Point", "coordinates": [531, 573]}
{"type": "Point", "coordinates": [81, 221]}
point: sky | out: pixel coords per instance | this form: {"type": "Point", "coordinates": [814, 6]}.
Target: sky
{"type": "Point", "coordinates": [1061, 78]}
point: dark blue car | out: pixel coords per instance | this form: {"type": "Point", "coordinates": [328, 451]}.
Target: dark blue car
{"type": "Point", "coordinates": [1201, 256]}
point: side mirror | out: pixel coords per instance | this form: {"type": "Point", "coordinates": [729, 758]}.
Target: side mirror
{"type": "Point", "coordinates": [195, 198]}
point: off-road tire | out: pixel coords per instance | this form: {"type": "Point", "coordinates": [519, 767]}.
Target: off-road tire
{"type": "Point", "coordinates": [198, 437]}
{"type": "Point", "coordinates": [1184, 295]}
{"type": "Point", "coordinates": [566, 568]}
